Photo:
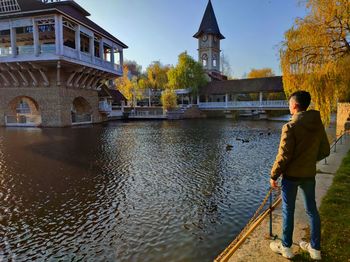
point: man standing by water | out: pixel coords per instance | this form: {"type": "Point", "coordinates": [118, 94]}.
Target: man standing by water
{"type": "Point", "coordinates": [303, 143]}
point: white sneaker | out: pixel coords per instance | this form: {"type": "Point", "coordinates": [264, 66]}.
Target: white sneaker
{"type": "Point", "coordinates": [277, 247]}
{"type": "Point", "coordinates": [314, 253]}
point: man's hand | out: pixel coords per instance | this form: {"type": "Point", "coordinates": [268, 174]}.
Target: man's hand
{"type": "Point", "coordinates": [273, 183]}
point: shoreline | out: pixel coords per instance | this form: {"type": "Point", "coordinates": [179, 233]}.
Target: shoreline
{"type": "Point", "coordinates": [256, 247]}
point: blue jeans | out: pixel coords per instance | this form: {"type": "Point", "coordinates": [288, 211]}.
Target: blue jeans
{"type": "Point", "coordinates": [289, 193]}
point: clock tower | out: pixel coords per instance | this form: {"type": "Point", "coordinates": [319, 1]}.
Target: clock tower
{"type": "Point", "coordinates": [209, 38]}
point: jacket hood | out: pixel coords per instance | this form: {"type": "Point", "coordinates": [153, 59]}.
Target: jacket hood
{"type": "Point", "coordinates": [310, 120]}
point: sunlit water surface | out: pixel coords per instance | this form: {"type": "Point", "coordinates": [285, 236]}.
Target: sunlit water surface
{"type": "Point", "coordinates": [136, 191]}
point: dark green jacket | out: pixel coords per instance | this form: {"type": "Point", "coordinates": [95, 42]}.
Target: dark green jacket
{"type": "Point", "coordinates": [303, 142]}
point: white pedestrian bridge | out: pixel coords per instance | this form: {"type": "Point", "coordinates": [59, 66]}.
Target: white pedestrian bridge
{"type": "Point", "coordinates": [245, 105]}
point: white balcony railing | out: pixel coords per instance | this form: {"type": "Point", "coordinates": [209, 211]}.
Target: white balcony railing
{"type": "Point", "coordinates": [98, 61]}
{"type": "Point", "coordinates": [49, 48]}
{"type": "Point", "coordinates": [27, 52]}
{"type": "Point", "coordinates": [70, 52]}
{"type": "Point", "coordinates": [283, 104]}
{"type": "Point", "coordinates": [5, 51]}
{"type": "Point", "coordinates": [25, 49]}
{"type": "Point", "coordinates": [86, 57]}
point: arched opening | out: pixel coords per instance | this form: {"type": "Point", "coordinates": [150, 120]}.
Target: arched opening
{"type": "Point", "coordinates": [204, 60]}
{"type": "Point", "coordinates": [23, 111]}
{"type": "Point", "coordinates": [214, 60]}
{"type": "Point", "coordinates": [81, 111]}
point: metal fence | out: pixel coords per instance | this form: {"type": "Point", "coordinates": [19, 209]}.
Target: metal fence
{"type": "Point", "coordinates": [22, 120]}
{"type": "Point", "coordinates": [81, 119]}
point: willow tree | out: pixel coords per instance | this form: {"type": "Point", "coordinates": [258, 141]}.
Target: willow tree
{"type": "Point", "coordinates": [188, 73]}
{"type": "Point", "coordinates": [315, 55]}
{"type": "Point", "coordinates": [157, 77]}
{"type": "Point", "coordinates": [257, 73]}
{"type": "Point", "coordinates": [264, 72]}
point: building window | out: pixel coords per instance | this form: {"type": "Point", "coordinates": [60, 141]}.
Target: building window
{"type": "Point", "coordinates": [84, 43]}
{"type": "Point", "coordinates": [5, 43]}
{"type": "Point", "coordinates": [25, 40]}
{"type": "Point", "coordinates": [97, 41]}
{"type": "Point", "coordinates": [24, 30]}
{"type": "Point", "coordinates": [204, 60]}
{"type": "Point", "coordinates": [46, 28]}
{"type": "Point", "coordinates": [23, 108]}
{"type": "Point", "coordinates": [69, 33]}
{"type": "Point", "coordinates": [107, 50]}
{"type": "Point", "coordinates": [214, 60]}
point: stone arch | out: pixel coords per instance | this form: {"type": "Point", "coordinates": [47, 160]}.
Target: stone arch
{"type": "Point", "coordinates": [81, 111]}
{"type": "Point", "coordinates": [24, 105]}
{"type": "Point", "coordinates": [81, 106]}
{"type": "Point", "coordinates": [23, 111]}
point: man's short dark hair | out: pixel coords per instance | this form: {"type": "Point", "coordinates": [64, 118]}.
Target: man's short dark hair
{"type": "Point", "coordinates": [302, 98]}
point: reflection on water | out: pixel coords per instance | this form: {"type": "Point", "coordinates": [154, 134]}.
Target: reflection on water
{"type": "Point", "coordinates": [137, 191]}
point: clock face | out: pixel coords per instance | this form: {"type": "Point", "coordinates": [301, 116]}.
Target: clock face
{"type": "Point", "coordinates": [205, 38]}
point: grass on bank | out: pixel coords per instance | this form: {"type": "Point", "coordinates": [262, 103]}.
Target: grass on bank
{"type": "Point", "coordinates": [335, 218]}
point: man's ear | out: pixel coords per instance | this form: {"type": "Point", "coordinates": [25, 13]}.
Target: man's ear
{"type": "Point", "coordinates": [295, 106]}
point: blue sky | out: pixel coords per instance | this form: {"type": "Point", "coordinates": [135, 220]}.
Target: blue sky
{"type": "Point", "coordinates": [159, 30]}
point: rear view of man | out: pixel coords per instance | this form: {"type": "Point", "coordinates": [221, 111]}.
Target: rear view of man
{"type": "Point", "coordinates": [303, 143]}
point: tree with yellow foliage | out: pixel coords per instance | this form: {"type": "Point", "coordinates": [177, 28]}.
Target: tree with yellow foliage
{"type": "Point", "coordinates": [124, 85]}
{"type": "Point", "coordinates": [169, 99]}
{"type": "Point", "coordinates": [257, 73]}
{"type": "Point", "coordinates": [264, 72]}
{"type": "Point", "coordinates": [157, 78]}
{"type": "Point", "coordinates": [315, 55]}
{"type": "Point", "coordinates": [129, 86]}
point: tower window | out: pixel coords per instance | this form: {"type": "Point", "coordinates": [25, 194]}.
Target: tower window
{"type": "Point", "coordinates": [204, 60]}
{"type": "Point", "coordinates": [214, 60]}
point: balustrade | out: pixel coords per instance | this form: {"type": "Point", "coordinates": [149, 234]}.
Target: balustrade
{"type": "Point", "coordinates": [244, 104]}
{"type": "Point", "coordinates": [17, 48]}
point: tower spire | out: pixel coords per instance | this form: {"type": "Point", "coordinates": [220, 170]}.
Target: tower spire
{"type": "Point", "coordinates": [209, 24]}
{"type": "Point", "coordinates": [209, 37]}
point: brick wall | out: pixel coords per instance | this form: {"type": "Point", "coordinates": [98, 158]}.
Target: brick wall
{"type": "Point", "coordinates": [54, 103]}
{"type": "Point", "coordinates": [343, 113]}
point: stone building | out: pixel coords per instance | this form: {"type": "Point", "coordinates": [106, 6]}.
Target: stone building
{"type": "Point", "coordinates": [53, 59]}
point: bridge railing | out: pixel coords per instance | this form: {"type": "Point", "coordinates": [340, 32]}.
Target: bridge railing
{"type": "Point", "coordinates": [245, 104]}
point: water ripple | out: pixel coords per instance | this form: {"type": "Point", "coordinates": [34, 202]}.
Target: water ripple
{"type": "Point", "coordinates": [138, 191]}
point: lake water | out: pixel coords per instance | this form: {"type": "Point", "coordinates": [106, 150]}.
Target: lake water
{"type": "Point", "coordinates": [131, 191]}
